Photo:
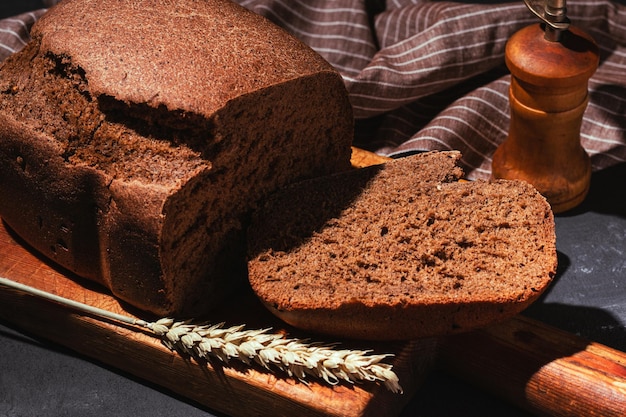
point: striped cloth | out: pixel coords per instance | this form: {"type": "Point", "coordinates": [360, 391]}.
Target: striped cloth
{"type": "Point", "coordinates": [14, 32]}
{"type": "Point", "coordinates": [425, 75]}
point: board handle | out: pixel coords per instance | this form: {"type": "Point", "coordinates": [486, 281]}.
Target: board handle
{"type": "Point", "coordinates": [539, 368]}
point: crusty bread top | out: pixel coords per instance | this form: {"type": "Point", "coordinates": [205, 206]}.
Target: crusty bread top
{"type": "Point", "coordinates": [401, 250]}
{"type": "Point", "coordinates": [160, 52]}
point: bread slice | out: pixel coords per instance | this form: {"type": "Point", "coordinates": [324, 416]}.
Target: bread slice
{"type": "Point", "coordinates": [401, 250]}
{"type": "Point", "coordinates": [136, 134]}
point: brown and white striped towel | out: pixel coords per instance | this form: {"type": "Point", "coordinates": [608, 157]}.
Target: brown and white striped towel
{"type": "Point", "coordinates": [425, 75]}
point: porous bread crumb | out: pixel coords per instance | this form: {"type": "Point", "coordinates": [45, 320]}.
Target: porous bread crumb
{"type": "Point", "coordinates": [396, 237]}
{"type": "Point", "coordinates": [97, 131]}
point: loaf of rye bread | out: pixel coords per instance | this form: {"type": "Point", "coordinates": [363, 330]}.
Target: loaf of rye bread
{"type": "Point", "coordinates": [401, 250]}
{"type": "Point", "coordinates": [134, 135]}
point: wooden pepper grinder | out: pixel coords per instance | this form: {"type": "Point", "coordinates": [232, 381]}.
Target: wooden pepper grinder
{"type": "Point", "coordinates": [550, 63]}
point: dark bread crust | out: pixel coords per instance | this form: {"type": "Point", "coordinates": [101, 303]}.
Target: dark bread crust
{"type": "Point", "coordinates": [401, 251]}
{"type": "Point", "coordinates": [190, 55]}
{"type": "Point", "coordinates": [136, 135]}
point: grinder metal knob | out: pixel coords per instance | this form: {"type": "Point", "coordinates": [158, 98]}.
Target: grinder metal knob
{"type": "Point", "coordinates": [553, 14]}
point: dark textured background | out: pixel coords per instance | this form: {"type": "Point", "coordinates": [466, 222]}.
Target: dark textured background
{"type": "Point", "coordinates": [11, 8]}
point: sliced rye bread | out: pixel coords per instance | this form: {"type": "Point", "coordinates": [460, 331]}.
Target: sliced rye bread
{"type": "Point", "coordinates": [401, 250]}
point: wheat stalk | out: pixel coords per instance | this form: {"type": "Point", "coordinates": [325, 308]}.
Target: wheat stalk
{"type": "Point", "coordinates": [297, 358]}
{"type": "Point", "coordinates": [272, 351]}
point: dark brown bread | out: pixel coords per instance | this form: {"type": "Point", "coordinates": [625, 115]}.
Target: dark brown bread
{"type": "Point", "coordinates": [401, 250]}
{"type": "Point", "coordinates": [134, 135]}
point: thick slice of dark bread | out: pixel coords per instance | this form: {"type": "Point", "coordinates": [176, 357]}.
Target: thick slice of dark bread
{"type": "Point", "coordinates": [401, 250]}
{"type": "Point", "coordinates": [134, 135]}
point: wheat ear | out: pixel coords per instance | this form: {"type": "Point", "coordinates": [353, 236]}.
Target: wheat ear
{"type": "Point", "coordinates": [295, 357]}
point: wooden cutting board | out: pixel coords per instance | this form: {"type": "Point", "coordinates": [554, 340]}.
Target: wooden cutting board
{"type": "Point", "coordinates": [526, 362]}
